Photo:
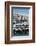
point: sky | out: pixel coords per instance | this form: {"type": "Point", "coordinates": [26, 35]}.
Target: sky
{"type": "Point", "coordinates": [20, 11]}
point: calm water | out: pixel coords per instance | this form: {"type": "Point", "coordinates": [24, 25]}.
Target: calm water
{"type": "Point", "coordinates": [20, 33]}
